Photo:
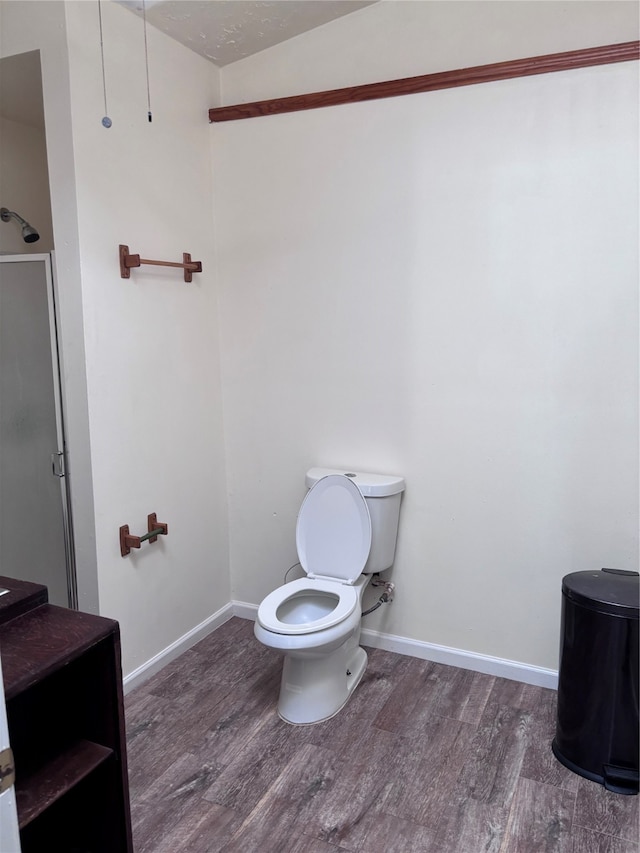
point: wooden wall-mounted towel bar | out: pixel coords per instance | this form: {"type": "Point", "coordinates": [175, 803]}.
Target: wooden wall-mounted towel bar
{"type": "Point", "coordinates": [128, 541]}
{"type": "Point", "coordinates": [127, 261]}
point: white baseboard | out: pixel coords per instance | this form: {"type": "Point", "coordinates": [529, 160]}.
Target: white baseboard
{"type": "Point", "coordinates": [245, 610]}
{"type": "Point", "coordinates": [156, 663]}
{"type": "Point", "coordinates": [486, 664]}
{"type": "Point", "coordinates": [513, 670]}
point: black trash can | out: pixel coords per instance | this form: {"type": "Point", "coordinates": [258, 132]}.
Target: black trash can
{"type": "Point", "coordinates": [597, 722]}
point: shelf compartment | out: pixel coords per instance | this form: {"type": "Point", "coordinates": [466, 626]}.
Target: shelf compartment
{"type": "Point", "coordinates": [36, 792]}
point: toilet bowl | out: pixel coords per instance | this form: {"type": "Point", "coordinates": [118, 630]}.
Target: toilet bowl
{"type": "Point", "coordinates": [315, 621]}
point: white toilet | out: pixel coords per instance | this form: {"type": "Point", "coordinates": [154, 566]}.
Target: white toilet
{"type": "Point", "coordinates": [346, 531]}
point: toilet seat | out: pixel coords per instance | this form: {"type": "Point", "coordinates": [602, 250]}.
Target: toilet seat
{"type": "Point", "coordinates": [333, 538]}
{"type": "Point", "coordinates": [268, 610]}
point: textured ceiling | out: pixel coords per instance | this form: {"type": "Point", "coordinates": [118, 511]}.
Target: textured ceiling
{"type": "Point", "coordinates": [224, 31]}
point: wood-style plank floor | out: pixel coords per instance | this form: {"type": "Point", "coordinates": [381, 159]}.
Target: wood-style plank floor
{"type": "Point", "coordinates": [424, 757]}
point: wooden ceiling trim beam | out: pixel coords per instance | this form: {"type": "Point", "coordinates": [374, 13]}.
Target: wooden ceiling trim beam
{"type": "Point", "coordinates": [546, 64]}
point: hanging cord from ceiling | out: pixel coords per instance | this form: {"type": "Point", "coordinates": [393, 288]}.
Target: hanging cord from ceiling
{"type": "Point", "coordinates": [106, 121]}
{"type": "Point", "coordinates": [146, 59]}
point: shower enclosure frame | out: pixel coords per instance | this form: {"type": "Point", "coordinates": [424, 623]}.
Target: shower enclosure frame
{"type": "Point", "coordinates": [59, 461]}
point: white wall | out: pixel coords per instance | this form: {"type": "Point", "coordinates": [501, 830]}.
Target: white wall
{"type": "Point", "coordinates": [151, 341]}
{"type": "Point", "coordinates": [404, 38]}
{"type": "Point", "coordinates": [442, 286]}
{"type": "Point", "coordinates": [24, 186]}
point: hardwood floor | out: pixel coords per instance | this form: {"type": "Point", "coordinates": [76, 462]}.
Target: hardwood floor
{"type": "Point", "coordinates": [424, 758]}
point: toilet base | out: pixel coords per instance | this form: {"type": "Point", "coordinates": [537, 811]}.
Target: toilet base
{"type": "Point", "coordinates": [314, 689]}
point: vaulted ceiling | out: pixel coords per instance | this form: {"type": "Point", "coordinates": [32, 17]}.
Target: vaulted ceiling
{"type": "Point", "coordinates": [224, 31]}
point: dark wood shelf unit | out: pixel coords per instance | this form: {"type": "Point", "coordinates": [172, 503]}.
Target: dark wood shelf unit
{"type": "Point", "coordinates": [63, 692]}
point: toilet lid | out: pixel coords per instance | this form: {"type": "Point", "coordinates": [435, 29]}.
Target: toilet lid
{"type": "Point", "coordinates": [333, 533]}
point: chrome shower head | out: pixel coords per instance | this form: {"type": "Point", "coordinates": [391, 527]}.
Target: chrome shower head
{"type": "Point", "coordinates": [29, 233]}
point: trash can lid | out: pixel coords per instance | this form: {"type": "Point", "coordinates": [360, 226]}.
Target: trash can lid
{"type": "Point", "coordinates": [614, 591]}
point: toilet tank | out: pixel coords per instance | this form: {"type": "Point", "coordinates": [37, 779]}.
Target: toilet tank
{"type": "Point", "coordinates": [382, 495]}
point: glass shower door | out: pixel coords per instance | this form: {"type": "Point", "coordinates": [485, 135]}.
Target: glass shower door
{"type": "Point", "coordinates": [35, 540]}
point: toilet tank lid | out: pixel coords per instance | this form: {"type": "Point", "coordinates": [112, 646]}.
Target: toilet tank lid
{"type": "Point", "coordinates": [370, 485]}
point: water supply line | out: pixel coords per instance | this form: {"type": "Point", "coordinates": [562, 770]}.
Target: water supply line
{"type": "Point", "coordinates": [385, 598]}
